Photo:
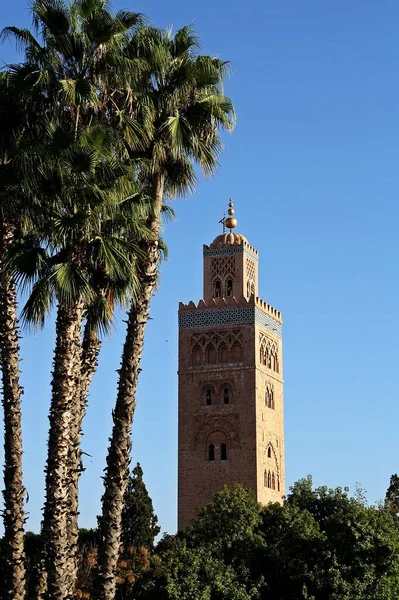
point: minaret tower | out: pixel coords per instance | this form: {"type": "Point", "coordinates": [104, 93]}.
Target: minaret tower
{"type": "Point", "coordinates": [231, 423]}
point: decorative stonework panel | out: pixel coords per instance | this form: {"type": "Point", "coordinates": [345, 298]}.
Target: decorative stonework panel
{"type": "Point", "coordinates": [272, 471]}
{"type": "Point", "coordinates": [271, 454]}
{"type": "Point", "coordinates": [228, 336]}
{"type": "Point", "coordinates": [269, 356]}
{"type": "Point", "coordinates": [269, 395]}
{"type": "Point", "coordinates": [217, 348]}
{"type": "Point", "coordinates": [214, 424]}
{"type": "Point", "coordinates": [223, 268]}
{"type": "Point", "coordinates": [229, 316]}
{"type": "Point", "coordinates": [250, 269]}
{"type": "Point", "coordinates": [224, 251]}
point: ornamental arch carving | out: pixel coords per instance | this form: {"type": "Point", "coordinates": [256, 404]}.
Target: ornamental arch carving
{"type": "Point", "coordinates": [211, 426]}
{"type": "Point", "coordinates": [197, 357]}
{"type": "Point", "coordinates": [210, 353]}
{"type": "Point", "coordinates": [223, 268]}
{"type": "Point", "coordinates": [224, 346]}
{"type": "Point", "coordinates": [272, 460]}
{"type": "Point", "coordinates": [268, 352]}
{"type": "Point", "coordinates": [269, 395]}
{"type": "Point", "coordinates": [250, 268]}
{"type": "Point", "coordinates": [272, 471]}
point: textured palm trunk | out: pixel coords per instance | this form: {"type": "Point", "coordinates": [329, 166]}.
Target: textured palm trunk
{"type": "Point", "coordinates": [119, 451]}
{"type": "Point", "coordinates": [55, 531]}
{"type": "Point", "coordinates": [87, 367]}
{"type": "Point", "coordinates": [13, 514]}
{"type": "Point", "coordinates": [41, 579]}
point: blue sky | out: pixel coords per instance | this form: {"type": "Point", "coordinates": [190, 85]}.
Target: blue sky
{"type": "Point", "coordinates": [313, 170]}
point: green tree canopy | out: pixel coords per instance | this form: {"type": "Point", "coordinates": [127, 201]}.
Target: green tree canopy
{"type": "Point", "coordinates": [139, 522]}
{"type": "Point", "coordinates": [322, 544]}
{"type": "Point", "coordinates": [392, 495]}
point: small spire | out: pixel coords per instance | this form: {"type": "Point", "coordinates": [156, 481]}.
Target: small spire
{"type": "Point", "coordinates": [223, 222]}
{"type": "Point", "coordinates": [231, 222]}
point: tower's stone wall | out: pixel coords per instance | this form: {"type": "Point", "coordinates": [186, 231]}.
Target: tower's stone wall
{"type": "Point", "coordinates": [230, 384]}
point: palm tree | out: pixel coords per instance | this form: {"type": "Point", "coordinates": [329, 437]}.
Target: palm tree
{"type": "Point", "coordinates": [78, 61]}
{"type": "Point", "coordinates": [17, 137]}
{"type": "Point", "coordinates": [182, 107]}
{"type": "Point", "coordinates": [85, 261]}
{"type": "Point", "coordinates": [128, 225]}
{"type": "Point", "coordinates": [13, 515]}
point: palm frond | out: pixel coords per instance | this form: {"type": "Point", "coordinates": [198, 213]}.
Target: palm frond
{"type": "Point", "coordinates": [179, 131]}
{"type": "Point", "coordinates": [126, 20]}
{"type": "Point", "coordinates": [38, 305]}
{"type": "Point", "coordinates": [115, 257]}
{"type": "Point", "coordinates": [185, 41]}
{"type": "Point", "coordinates": [168, 214]}
{"type": "Point", "coordinates": [180, 177]}
{"type": "Point", "coordinates": [27, 262]}
{"type": "Point", "coordinates": [163, 248]}
{"type": "Point", "coordinates": [23, 38]}
{"type": "Point", "coordinates": [71, 284]}
{"type": "Point", "coordinates": [51, 15]}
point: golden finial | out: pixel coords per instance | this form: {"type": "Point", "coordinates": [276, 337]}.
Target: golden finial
{"type": "Point", "coordinates": [231, 222]}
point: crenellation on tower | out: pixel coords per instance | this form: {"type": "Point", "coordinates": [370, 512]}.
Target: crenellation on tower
{"type": "Point", "coordinates": [230, 381]}
{"type": "Point", "coordinates": [233, 301]}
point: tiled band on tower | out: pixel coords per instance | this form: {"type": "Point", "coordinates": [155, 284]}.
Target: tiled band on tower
{"type": "Point", "coordinates": [231, 424]}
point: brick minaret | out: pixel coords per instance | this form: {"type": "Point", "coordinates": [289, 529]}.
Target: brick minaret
{"type": "Point", "coordinates": [231, 425]}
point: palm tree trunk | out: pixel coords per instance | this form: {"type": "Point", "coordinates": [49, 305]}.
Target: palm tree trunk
{"type": "Point", "coordinates": [89, 361]}
{"type": "Point", "coordinates": [14, 491]}
{"type": "Point", "coordinates": [118, 458]}
{"type": "Point", "coordinates": [63, 405]}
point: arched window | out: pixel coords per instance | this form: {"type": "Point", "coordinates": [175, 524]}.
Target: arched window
{"type": "Point", "coordinates": [208, 396]}
{"type": "Point", "coordinates": [223, 353]}
{"type": "Point", "coordinates": [211, 452]}
{"type": "Point", "coordinates": [265, 478]}
{"type": "Point", "coordinates": [197, 355]}
{"type": "Point", "coordinates": [273, 481]}
{"type": "Point", "coordinates": [223, 452]}
{"type": "Point", "coordinates": [269, 452]}
{"type": "Point", "coordinates": [269, 397]}
{"type": "Point", "coordinates": [229, 287]}
{"type": "Point", "coordinates": [217, 289]}
{"type": "Point", "coordinates": [278, 483]}
{"type": "Point", "coordinates": [226, 396]}
{"type": "Point", "coordinates": [210, 354]}
{"type": "Point", "coordinates": [237, 352]}
{"type": "Point", "coordinates": [269, 480]}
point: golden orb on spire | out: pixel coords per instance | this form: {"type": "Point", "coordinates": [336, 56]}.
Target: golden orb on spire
{"type": "Point", "coordinates": [230, 222]}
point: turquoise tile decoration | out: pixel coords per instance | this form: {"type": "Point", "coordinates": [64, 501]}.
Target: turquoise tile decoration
{"type": "Point", "coordinates": [229, 316]}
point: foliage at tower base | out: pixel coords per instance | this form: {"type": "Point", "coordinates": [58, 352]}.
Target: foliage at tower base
{"type": "Point", "coordinates": [392, 495]}
{"type": "Point", "coordinates": [321, 545]}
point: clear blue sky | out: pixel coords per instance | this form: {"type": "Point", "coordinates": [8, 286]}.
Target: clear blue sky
{"type": "Point", "coordinates": [313, 170]}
